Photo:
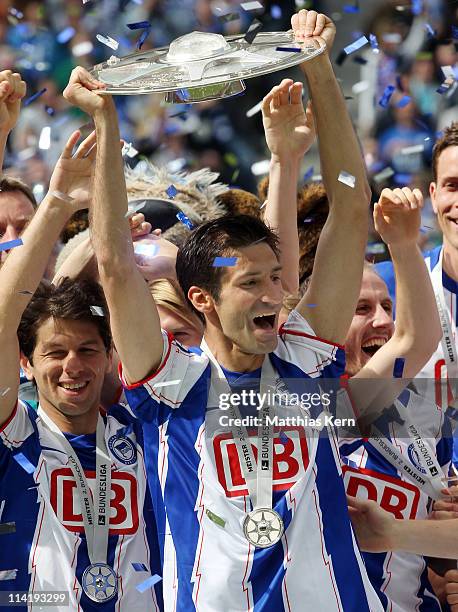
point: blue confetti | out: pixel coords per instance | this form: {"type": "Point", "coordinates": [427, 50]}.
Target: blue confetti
{"type": "Point", "coordinates": [398, 368]}
{"type": "Point", "coordinates": [139, 25]}
{"type": "Point", "coordinates": [50, 110]}
{"type": "Point", "coordinates": [374, 43]}
{"type": "Point", "coordinates": [148, 583]}
{"type": "Point", "coordinates": [358, 59]}
{"type": "Point", "coordinates": [289, 49]}
{"type": "Point", "coordinates": [66, 35]}
{"type": "Point", "coordinates": [184, 94]}
{"type": "Point", "coordinates": [223, 262]}
{"type": "Point", "coordinates": [28, 101]}
{"type": "Point", "coordinates": [284, 438]}
{"type": "Point", "coordinates": [185, 220]}
{"type": "Point", "coordinates": [253, 30]}
{"type": "Point", "coordinates": [399, 83]}
{"type": "Point", "coordinates": [445, 86]}
{"type": "Point", "coordinates": [404, 101]}
{"type": "Point", "coordinates": [430, 31]}
{"type": "Point", "coordinates": [455, 32]}
{"type": "Point", "coordinates": [351, 8]}
{"type": "Point", "coordinates": [171, 191]}
{"type": "Point", "coordinates": [24, 463]}
{"type": "Point", "coordinates": [308, 174]}
{"type": "Point", "coordinates": [139, 567]}
{"type": "Point", "coordinates": [308, 220]}
{"type": "Point", "coordinates": [360, 42]}
{"type": "Point", "coordinates": [350, 462]}
{"type": "Point", "coordinates": [385, 99]}
{"type": "Point", "coordinates": [143, 37]}
{"type": "Point", "coordinates": [10, 244]}
{"type": "Point", "coordinates": [417, 7]}
{"type": "Point", "coordinates": [402, 179]}
{"type": "Point", "coordinates": [275, 11]}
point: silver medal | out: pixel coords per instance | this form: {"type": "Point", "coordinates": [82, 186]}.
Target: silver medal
{"type": "Point", "coordinates": [263, 527]}
{"type": "Point", "coordinates": [99, 582]}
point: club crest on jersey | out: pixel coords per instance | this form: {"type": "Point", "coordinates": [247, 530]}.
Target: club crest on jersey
{"type": "Point", "coordinates": [123, 449]}
{"type": "Point", "coordinates": [413, 456]}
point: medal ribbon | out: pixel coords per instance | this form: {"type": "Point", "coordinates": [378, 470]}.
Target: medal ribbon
{"type": "Point", "coordinates": [96, 516]}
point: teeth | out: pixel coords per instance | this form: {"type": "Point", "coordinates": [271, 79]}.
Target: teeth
{"type": "Point", "coordinates": [375, 342]}
{"type": "Point", "coordinates": [271, 314]}
{"type": "Point", "coordinates": [73, 387]}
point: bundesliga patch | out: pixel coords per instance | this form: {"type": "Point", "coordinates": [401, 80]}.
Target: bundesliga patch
{"type": "Point", "coordinates": [290, 460]}
{"type": "Point", "coordinates": [123, 449]}
{"type": "Point", "coordinates": [413, 456]}
{"type": "Point", "coordinates": [394, 495]}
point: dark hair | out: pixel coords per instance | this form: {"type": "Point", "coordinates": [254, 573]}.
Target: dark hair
{"type": "Point", "coordinates": [70, 299]}
{"type": "Point", "coordinates": [9, 183]}
{"type": "Point", "coordinates": [449, 139]}
{"type": "Point", "coordinates": [220, 237]}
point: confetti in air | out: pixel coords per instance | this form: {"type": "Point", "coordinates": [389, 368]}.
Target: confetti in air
{"type": "Point", "coordinates": [35, 96]}
{"type": "Point", "coordinates": [252, 6]}
{"type": "Point", "coordinates": [386, 96]}
{"type": "Point", "coordinates": [97, 311]}
{"type": "Point", "coordinates": [10, 244]}
{"type": "Point", "coordinates": [289, 49]}
{"type": "Point", "coordinates": [167, 383]}
{"type": "Point", "coordinates": [139, 25]}
{"type": "Point", "coordinates": [374, 43]}
{"type": "Point", "coordinates": [108, 41]}
{"type": "Point", "coordinates": [139, 567]}
{"type": "Point", "coordinates": [347, 179]}
{"type": "Point", "coordinates": [171, 191]}
{"type": "Point", "coordinates": [148, 583]}
{"type": "Point", "coordinates": [24, 463]}
{"type": "Point", "coordinates": [253, 30]}
{"type": "Point", "coordinates": [224, 262]}
{"type": "Point", "coordinates": [185, 220]}
{"type": "Point", "coordinates": [360, 42]}
{"type": "Point", "coordinates": [7, 528]}
{"type": "Point", "coordinates": [398, 368]}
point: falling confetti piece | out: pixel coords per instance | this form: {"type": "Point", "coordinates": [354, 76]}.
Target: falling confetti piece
{"type": "Point", "coordinates": [185, 220]}
{"type": "Point", "coordinates": [143, 37]}
{"type": "Point", "coordinates": [139, 25]}
{"type": "Point", "coordinates": [108, 41]}
{"type": "Point", "coordinates": [3, 392]}
{"type": "Point", "coordinates": [255, 109]}
{"type": "Point", "coordinates": [171, 191]}
{"type": "Point", "coordinates": [10, 244]}
{"type": "Point", "coordinates": [24, 463]}
{"type": "Point", "coordinates": [252, 6]}
{"type": "Point", "coordinates": [347, 179]}
{"type": "Point", "coordinates": [223, 262]}
{"type": "Point", "coordinates": [386, 96]}
{"type": "Point", "coordinates": [308, 174]}
{"type": "Point", "coordinates": [284, 438]}
{"type": "Point", "coordinates": [374, 43]}
{"type": "Point", "coordinates": [404, 101]}
{"type": "Point", "coordinates": [430, 31]}
{"type": "Point", "coordinates": [289, 49]}
{"type": "Point", "coordinates": [375, 248]}
{"type": "Point", "coordinates": [139, 567]}
{"type": "Point", "coordinates": [44, 141]}
{"type": "Point", "coordinates": [146, 250]}
{"type": "Point", "coordinates": [8, 574]}
{"type": "Point", "coordinates": [413, 149]}
{"type": "Point", "coordinates": [65, 35]}
{"type": "Point", "coordinates": [417, 7]}
{"type": "Point", "coordinates": [148, 583]}
{"type": "Point", "coordinates": [35, 96]}
{"type": "Point", "coordinates": [360, 42]}
{"type": "Point", "coordinates": [50, 110]}
{"type": "Point", "coordinates": [275, 11]}
{"type": "Point", "coordinates": [398, 368]}
{"type": "Point", "coordinates": [253, 31]}
{"type": "Point", "coordinates": [97, 311]}
{"type": "Point", "coordinates": [384, 174]}
{"type": "Point", "coordinates": [228, 17]}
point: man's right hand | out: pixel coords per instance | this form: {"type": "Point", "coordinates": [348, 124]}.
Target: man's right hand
{"type": "Point", "coordinates": [82, 89]}
{"type": "Point", "coordinates": [12, 90]}
{"type": "Point", "coordinates": [310, 24]}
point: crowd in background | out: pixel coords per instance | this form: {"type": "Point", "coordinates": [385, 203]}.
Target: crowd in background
{"type": "Point", "coordinates": [411, 43]}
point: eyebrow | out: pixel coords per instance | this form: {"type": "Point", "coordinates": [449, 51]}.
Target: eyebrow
{"type": "Point", "coordinates": [254, 274]}
{"type": "Point", "coordinates": [52, 345]}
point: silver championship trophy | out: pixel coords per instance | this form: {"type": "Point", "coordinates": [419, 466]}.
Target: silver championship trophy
{"type": "Point", "coordinates": [203, 66]}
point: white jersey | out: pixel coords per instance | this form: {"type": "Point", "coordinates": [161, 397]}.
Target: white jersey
{"type": "Point", "coordinates": [48, 550]}
{"type": "Point", "coordinates": [201, 498]}
{"type": "Point", "coordinates": [400, 579]}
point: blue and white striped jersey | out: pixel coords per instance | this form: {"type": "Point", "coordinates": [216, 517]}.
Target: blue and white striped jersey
{"type": "Point", "coordinates": [195, 475]}
{"type": "Point", "coordinates": [48, 551]}
{"type": "Point", "coordinates": [400, 579]}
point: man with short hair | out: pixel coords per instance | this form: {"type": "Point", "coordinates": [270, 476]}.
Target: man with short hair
{"type": "Point", "coordinates": [76, 514]}
{"type": "Point", "coordinates": [232, 538]}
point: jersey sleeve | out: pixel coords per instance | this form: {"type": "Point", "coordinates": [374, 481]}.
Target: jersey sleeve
{"type": "Point", "coordinates": [165, 389]}
{"type": "Point", "coordinates": [316, 357]}
{"type": "Point", "coordinates": [19, 441]}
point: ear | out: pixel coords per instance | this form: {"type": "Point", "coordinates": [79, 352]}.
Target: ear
{"type": "Point", "coordinates": [201, 300]}
{"type": "Point", "coordinates": [26, 366]}
{"type": "Point", "coordinates": [432, 194]}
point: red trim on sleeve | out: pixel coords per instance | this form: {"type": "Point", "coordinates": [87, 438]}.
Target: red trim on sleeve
{"type": "Point", "coordinates": [151, 376]}
{"type": "Point", "coordinates": [10, 418]}
{"type": "Point", "coordinates": [304, 335]}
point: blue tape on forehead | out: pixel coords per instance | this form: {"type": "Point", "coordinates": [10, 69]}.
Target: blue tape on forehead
{"type": "Point", "coordinates": [223, 262]}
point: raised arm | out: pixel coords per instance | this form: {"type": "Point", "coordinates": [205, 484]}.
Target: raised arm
{"type": "Point", "coordinates": [12, 90]}
{"type": "Point", "coordinates": [337, 273]}
{"type": "Point", "coordinates": [24, 267]}
{"type": "Point", "coordinates": [397, 218]}
{"type": "Point", "coordinates": [289, 132]}
{"type": "Point", "coordinates": [134, 319]}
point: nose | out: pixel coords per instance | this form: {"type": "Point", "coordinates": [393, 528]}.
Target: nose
{"type": "Point", "coordinates": [382, 318]}
{"type": "Point", "coordinates": [72, 364]}
{"type": "Point", "coordinates": [273, 293]}
{"type": "Point", "coordinates": [10, 234]}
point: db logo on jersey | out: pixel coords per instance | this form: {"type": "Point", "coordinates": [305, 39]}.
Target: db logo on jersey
{"type": "Point", "coordinates": [290, 461]}
{"type": "Point", "coordinates": [392, 494]}
{"type": "Point", "coordinates": [123, 504]}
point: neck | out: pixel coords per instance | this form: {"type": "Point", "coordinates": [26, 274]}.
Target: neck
{"type": "Point", "coordinates": [229, 355]}
{"type": "Point", "coordinates": [76, 425]}
{"type": "Point", "coordinates": [450, 260]}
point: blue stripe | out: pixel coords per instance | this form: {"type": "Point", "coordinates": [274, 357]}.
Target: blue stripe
{"type": "Point", "coordinates": [337, 531]}
{"type": "Point", "coordinates": [374, 566]}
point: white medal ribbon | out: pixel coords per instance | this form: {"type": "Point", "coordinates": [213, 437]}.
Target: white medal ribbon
{"type": "Point", "coordinates": [447, 341]}
{"type": "Point", "coordinates": [96, 516]}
